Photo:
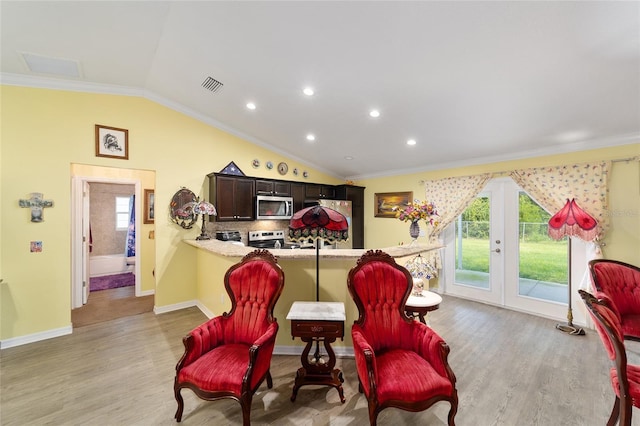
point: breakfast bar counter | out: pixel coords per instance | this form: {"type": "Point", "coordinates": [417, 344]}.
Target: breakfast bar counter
{"type": "Point", "coordinates": [232, 249]}
{"type": "Point", "coordinates": [212, 258]}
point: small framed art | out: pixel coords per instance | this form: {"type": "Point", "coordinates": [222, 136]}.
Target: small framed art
{"type": "Point", "coordinates": [149, 206]}
{"type": "Point", "coordinates": [387, 202]}
{"type": "Point", "coordinates": [112, 142]}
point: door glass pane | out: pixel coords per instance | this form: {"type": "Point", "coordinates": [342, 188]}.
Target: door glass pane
{"type": "Point", "coordinates": [472, 245]}
{"type": "Point", "coordinates": [543, 261]}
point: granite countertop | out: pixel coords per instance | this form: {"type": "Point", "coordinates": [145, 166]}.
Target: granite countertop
{"type": "Point", "coordinates": [231, 249]}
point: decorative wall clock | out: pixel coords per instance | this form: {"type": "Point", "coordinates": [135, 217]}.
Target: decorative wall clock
{"type": "Point", "coordinates": [283, 168]}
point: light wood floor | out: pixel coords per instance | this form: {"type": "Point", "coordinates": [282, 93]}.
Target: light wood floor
{"type": "Point", "coordinates": [512, 369]}
{"type": "Point", "coordinates": [106, 305]}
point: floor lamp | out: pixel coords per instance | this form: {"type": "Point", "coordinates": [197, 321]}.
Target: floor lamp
{"type": "Point", "coordinates": [572, 221]}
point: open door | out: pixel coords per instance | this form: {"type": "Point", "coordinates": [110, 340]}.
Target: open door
{"type": "Point", "coordinates": [86, 242]}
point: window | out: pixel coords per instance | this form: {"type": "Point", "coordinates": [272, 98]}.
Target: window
{"type": "Point", "coordinates": [122, 213]}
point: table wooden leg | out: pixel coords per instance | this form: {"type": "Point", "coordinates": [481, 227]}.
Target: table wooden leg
{"type": "Point", "coordinates": [318, 372]}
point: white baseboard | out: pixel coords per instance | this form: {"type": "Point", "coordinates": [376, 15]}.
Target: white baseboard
{"type": "Point", "coordinates": [35, 337]}
{"type": "Point", "coordinates": [146, 293]}
{"type": "Point", "coordinates": [175, 307]}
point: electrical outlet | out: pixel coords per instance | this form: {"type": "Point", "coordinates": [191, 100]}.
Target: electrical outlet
{"type": "Point", "coordinates": [423, 233]}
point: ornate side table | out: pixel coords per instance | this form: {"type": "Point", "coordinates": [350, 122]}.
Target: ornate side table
{"type": "Point", "coordinates": [315, 322]}
{"type": "Point", "coordinates": [420, 306]}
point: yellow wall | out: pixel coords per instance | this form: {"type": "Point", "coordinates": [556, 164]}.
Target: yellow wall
{"type": "Point", "coordinates": [43, 133]}
{"type": "Point", "coordinates": [622, 241]}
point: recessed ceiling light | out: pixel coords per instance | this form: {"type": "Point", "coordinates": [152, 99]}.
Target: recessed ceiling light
{"type": "Point", "coordinates": [374, 113]}
{"type": "Point", "coordinates": [311, 137]}
{"type": "Point", "coordinates": [411, 142]}
{"type": "Point", "coordinates": [251, 105]}
{"type": "Point", "coordinates": [308, 91]}
{"type": "Point", "coordinates": [348, 157]}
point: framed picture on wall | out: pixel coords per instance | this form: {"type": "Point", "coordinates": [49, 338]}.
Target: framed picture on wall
{"type": "Point", "coordinates": [112, 142]}
{"type": "Point", "coordinates": [386, 202]}
{"type": "Point", "coordinates": [149, 206]}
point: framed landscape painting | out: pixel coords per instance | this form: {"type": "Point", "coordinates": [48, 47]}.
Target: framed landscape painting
{"type": "Point", "coordinates": [387, 202]}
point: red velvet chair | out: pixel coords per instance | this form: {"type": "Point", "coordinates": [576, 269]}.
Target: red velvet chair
{"type": "Point", "coordinates": [229, 355]}
{"type": "Point", "coordinates": [620, 283]}
{"type": "Point", "coordinates": [400, 362]}
{"type": "Point", "coordinates": [625, 378]}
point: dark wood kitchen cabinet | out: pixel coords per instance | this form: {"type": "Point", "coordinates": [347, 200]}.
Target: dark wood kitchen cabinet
{"type": "Point", "coordinates": [314, 191]}
{"type": "Point", "coordinates": [273, 187]}
{"type": "Point", "coordinates": [234, 197]}
{"type": "Point", "coordinates": [355, 194]}
{"type": "Point", "coordinates": [298, 194]}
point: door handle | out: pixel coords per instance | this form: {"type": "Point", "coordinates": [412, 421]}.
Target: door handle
{"type": "Point", "coordinates": [496, 250]}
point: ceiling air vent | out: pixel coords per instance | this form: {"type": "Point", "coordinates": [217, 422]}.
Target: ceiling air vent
{"type": "Point", "coordinates": [212, 84]}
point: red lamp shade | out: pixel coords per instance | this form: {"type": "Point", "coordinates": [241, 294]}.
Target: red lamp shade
{"type": "Point", "coordinates": [318, 222]}
{"type": "Point", "coordinates": [573, 221]}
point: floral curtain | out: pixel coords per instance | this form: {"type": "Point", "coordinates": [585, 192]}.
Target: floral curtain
{"type": "Point", "coordinates": [586, 182]}
{"type": "Point", "coordinates": [552, 186]}
{"type": "Point", "coordinates": [450, 196]}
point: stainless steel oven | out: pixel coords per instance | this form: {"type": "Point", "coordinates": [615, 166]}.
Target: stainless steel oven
{"type": "Point", "coordinates": [270, 207]}
{"type": "Point", "coordinates": [270, 240]}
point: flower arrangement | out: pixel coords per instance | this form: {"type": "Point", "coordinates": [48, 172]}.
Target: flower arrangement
{"type": "Point", "coordinates": [417, 210]}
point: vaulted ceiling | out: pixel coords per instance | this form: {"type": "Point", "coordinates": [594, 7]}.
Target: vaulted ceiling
{"type": "Point", "coordinates": [469, 82]}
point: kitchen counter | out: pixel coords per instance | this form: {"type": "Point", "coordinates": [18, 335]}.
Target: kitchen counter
{"type": "Point", "coordinates": [303, 273]}
{"type": "Point", "coordinates": [230, 249]}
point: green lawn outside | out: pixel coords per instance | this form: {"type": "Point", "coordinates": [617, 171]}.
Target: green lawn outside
{"type": "Point", "coordinates": [542, 261]}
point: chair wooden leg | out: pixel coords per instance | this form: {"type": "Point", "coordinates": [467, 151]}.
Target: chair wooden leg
{"type": "Point", "coordinates": [625, 411]}
{"type": "Point", "coordinates": [178, 415]}
{"type": "Point", "coordinates": [269, 379]}
{"type": "Point", "coordinates": [245, 403]}
{"type": "Point", "coordinates": [373, 414]}
{"type": "Point", "coordinates": [452, 412]}
{"type": "Point", "coordinates": [615, 413]}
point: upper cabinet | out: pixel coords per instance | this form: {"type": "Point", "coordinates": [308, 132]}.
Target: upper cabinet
{"type": "Point", "coordinates": [298, 194]}
{"type": "Point", "coordinates": [273, 187]}
{"type": "Point", "coordinates": [314, 191]}
{"type": "Point", "coordinates": [234, 197]}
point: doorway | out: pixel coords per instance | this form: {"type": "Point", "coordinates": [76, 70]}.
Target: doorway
{"type": "Point", "coordinates": [498, 252]}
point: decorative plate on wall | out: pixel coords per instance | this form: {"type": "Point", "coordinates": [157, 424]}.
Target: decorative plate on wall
{"type": "Point", "coordinates": [269, 165]}
{"type": "Point", "coordinates": [283, 168]}
{"type": "Point", "coordinates": [255, 163]}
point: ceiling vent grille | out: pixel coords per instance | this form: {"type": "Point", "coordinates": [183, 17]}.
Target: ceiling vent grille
{"type": "Point", "coordinates": [212, 84]}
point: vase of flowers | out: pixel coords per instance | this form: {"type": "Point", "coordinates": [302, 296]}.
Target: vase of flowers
{"type": "Point", "coordinates": [414, 229]}
{"type": "Point", "coordinates": [416, 211]}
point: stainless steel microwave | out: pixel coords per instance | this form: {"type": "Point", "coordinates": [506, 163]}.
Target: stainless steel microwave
{"type": "Point", "coordinates": [271, 207]}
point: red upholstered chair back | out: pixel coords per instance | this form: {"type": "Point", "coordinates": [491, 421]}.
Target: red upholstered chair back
{"type": "Point", "coordinates": [607, 324]}
{"type": "Point", "coordinates": [619, 281]}
{"type": "Point", "coordinates": [380, 288]}
{"type": "Point", "coordinates": [254, 286]}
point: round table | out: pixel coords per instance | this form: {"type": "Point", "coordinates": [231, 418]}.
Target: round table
{"type": "Point", "coordinates": [421, 305]}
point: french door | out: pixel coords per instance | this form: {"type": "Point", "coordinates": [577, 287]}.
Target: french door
{"type": "Point", "coordinates": [498, 252]}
